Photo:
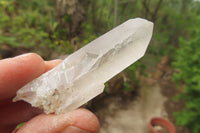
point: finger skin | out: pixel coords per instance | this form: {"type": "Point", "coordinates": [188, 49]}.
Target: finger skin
{"type": "Point", "coordinates": [16, 72]}
{"type": "Point", "coordinates": [51, 64]}
{"type": "Point", "coordinates": [13, 114]}
{"type": "Point", "coordinates": [80, 118]}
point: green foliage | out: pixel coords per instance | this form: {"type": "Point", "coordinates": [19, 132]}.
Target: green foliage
{"type": "Point", "coordinates": [24, 23]}
{"type": "Point", "coordinates": [19, 125]}
{"type": "Point", "coordinates": [127, 87]}
{"type": "Point", "coordinates": [187, 61]}
{"type": "Point", "coordinates": [34, 25]}
{"type": "Point", "coordinates": [132, 71]}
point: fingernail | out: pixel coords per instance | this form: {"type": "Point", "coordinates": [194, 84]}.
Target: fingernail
{"type": "Point", "coordinates": [72, 129]}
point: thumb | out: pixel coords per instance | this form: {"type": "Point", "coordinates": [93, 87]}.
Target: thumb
{"type": "Point", "coordinates": [78, 121]}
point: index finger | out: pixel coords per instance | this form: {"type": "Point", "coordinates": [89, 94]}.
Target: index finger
{"type": "Point", "coordinates": [16, 72]}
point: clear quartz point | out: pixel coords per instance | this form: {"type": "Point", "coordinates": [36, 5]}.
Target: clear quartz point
{"type": "Point", "coordinates": [81, 76]}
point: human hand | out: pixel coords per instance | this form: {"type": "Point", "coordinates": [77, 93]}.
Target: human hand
{"type": "Point", "coordinates": [15, 73]}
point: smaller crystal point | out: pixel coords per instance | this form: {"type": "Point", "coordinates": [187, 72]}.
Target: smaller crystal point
{"type": "Point", "coordinates": [81, 76]}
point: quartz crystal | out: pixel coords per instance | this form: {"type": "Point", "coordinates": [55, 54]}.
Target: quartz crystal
{"type": "Point", "coordinates": [81, 76]}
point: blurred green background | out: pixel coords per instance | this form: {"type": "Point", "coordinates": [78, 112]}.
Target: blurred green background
{"type": "Point", "coordinates": [58, 27]}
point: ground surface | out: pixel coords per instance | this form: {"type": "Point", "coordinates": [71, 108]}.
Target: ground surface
{"type": "Point", "coordinates": [136, 115]}
{"type": "Point", "coordinates": [131, 113]}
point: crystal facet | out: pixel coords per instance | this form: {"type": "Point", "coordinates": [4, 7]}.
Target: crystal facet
{"type": "Point", "coordinates": [81, 76]}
